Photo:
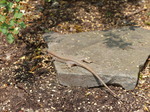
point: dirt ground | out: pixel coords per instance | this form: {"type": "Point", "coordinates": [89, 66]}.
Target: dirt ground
{"type": "Point", "coordinates": [27, 76]}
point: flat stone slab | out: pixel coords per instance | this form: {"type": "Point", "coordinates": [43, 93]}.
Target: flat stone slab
{"type": "Point", "coordinates": [116, 56]}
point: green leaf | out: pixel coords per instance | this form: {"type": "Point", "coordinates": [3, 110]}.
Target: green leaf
{"type": "Point", "coordinates": [22, 25]}
{"type": "Point", "coordinates": [148, 13]}
{"type": "Point", "coordinates": [3, 5]}
{"type": "Point", "coordinates": [2, 1]}
{"type": "Point", "coordinates": [16, 10]}
{"type": "Point", "coordinates": [16, 30]}
{"type": "Point", "coordinates": [18, 15]}
{"type": "Point", "coordinates": [17, 0]}
{"type": "Point", "coordinates": [9, 6]}
{"type": "Point", "coordinates": [18, 7]}
{"type": "Point", "coordinates": [4, 25]}
{"type": "Point", "coordinates": [2, 18]}
{"type": "Point", "coordinates": [4, 28]}
{"type": "Point", "coordinates": [10, 38]}
{"type": "Point", "coordinates": [12, 22]}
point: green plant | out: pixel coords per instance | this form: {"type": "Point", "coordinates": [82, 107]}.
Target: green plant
{"type": "Point", "coordinates": [10, 19]}
{"type": "Point", "coordinates": [48, 0]}
{"type": "Point", "coordinates": [148, 13]}
{"type": "Point", "coordinates": [108, 14]}
{"type": "Point", "coordinates": [147, 23]}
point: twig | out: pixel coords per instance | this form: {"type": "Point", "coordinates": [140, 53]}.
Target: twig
{"type": "Point", "coordinates": [135, 12]}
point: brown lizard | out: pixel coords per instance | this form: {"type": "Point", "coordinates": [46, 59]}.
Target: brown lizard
{"type": "Point", "coordinates": [81, 64]}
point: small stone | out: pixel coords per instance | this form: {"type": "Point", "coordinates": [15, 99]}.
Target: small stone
{"type": "Point", "coordinates": [55, 4]}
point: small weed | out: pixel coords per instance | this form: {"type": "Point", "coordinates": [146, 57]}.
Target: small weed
{"type": "Point", "coordinates": [148, 13]}
{"type": "Point", "coordinates": [147, 23]}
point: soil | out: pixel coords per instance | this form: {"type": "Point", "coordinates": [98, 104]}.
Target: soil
{"type": "Point", "coordinates": [27, 76]}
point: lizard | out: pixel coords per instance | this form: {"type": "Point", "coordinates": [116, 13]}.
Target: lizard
{"type": "Point", "coordinates": [83, 65]}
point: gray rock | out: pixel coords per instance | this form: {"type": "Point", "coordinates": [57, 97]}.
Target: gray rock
{"type": "Point", "coordinates": [116, 56]}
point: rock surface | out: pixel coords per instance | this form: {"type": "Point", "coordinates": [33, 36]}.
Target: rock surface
{"type": "Point", "coordinates": [117, 56]}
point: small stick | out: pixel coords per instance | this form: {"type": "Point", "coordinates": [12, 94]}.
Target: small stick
{"type": "Point", "coordinates": [137, 11]}
{"type": "Point", "coordinates": [81, 64]}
